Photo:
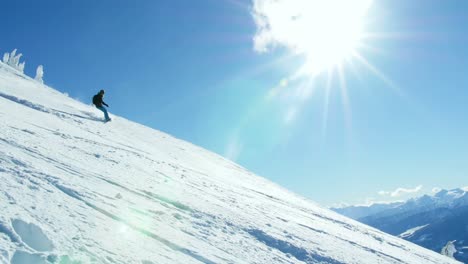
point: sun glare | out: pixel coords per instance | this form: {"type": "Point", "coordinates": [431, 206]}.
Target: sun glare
{"type": "Point", "coordinates": [329, 32]}
{"type": "Point", "coordinates": [328, 36]}
{"type": "Point", "coordinates": [325, 32]}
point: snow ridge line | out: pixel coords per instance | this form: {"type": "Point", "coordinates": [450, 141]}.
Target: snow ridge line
{"type": "Point", "coordinates": [44, 109]}
{"type": "Point", "coordinates": [25, 102]}
{"type": "Point", "coordinates": [32, 235]}
{"type": "Point", "coordinates": [151, 196]}
{"type": "Point", "coordinates": [5, 229]}
{"type": "Point", "coordinates": [74, 194]}
{"type": "Point", "coordinates": [355, 244]}
{"type": "Point", "coordinates": [288, 248]}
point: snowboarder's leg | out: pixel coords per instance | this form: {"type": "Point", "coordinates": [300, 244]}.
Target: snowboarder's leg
{"type": "Point", "coordinates": [104, 110]}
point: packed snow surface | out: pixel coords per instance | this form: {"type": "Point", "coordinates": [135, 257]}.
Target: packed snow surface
{"type": "Point", "coordinates": [76, 190]}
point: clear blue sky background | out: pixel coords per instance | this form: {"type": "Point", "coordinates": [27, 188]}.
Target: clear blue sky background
{"type": "Point", "coordinates": [188, 68]}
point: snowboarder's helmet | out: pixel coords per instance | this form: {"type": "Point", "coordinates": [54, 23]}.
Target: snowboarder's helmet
{"type": "Point", "coordinates": [101, 92]}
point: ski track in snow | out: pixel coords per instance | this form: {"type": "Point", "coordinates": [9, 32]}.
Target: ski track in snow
{"type": "Point", "coordinates": [76, 190]}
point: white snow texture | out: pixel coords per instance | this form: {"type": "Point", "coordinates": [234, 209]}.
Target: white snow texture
{"type": "Point", "coordinates": [76, 190]}
{"type": "Point", "coordinates": [14, 60]}
{"type": "Point", "coordinates": [449, 250]}
{"type": "Point", "coordinates": [39, 74]}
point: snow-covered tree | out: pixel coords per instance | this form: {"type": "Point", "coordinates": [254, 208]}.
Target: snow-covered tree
{"type": "Point", "coordinates": [6, 57]}
{"type": "Point", "coordinates": [449, 250]}
{"type": "Point", "coordinates": [13, 53]}
{"type": "Point", "coordinates": [39, 74]}
{"type": "Point", "coordinates": [21, 66]}
{"type": "Point", "coordinates": [14, 60]}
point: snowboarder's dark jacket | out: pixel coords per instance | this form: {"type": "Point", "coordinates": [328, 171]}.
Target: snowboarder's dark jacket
{"type": "Point", "coordinates": [97, 100]}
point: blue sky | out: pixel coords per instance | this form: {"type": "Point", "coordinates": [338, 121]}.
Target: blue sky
{"type": "Point", "coordinates": [191, 69]}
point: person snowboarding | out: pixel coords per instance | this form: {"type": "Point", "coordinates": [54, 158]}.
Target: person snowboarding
{"type": "Point", "coordinates": [99, 102]}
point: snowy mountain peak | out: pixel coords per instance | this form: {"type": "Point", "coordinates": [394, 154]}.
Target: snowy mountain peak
{"type": "Point", "coordinates": [444, 198]}
{"type": "Point", "coordinates": [441, 193]}
{"type": "Point", "coordinates": [76, 190]}
{"type": "Point", "coordinates": [423, 200]}
{"type": "Point", "coordinates": [449, 197]}
{"type": "Point", "coordinates": [455, 193]}
{"type": "Point", "coordinates": [429, 220]}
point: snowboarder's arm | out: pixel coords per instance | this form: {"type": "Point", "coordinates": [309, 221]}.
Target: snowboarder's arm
{"type": "Point", "coordinates": [105, 104]}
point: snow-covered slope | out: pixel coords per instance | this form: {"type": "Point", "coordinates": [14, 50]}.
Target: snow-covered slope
{"type": "Point", "coordinates": [76, 190]}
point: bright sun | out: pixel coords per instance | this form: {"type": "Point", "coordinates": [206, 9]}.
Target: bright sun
{"type": "Point", "coordinates": [331, 32]}
{"type": "Point", "coordinates": [326, 32]}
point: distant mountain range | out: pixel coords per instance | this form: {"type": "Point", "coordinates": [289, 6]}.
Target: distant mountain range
{"type": "Point", "coordinates": [431, 221]}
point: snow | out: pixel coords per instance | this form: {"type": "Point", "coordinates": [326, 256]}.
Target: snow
{"type": "Point", "coordinates": [39, 74]}
{"type": "Point", "coordinates": [449, 250]}
{"type": "Point", "coordinates": [411, 231]}
{"type": "Point", "coordinates": [361, 211]}
{"type": "Point", "coordinates": [13, 60]}
{"type": "Point", "coordinates": [442, 199]}
{"type": "Point", "coordinates": [449, 197]}
{"type": "Point", "coordinates": [76, 190]}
